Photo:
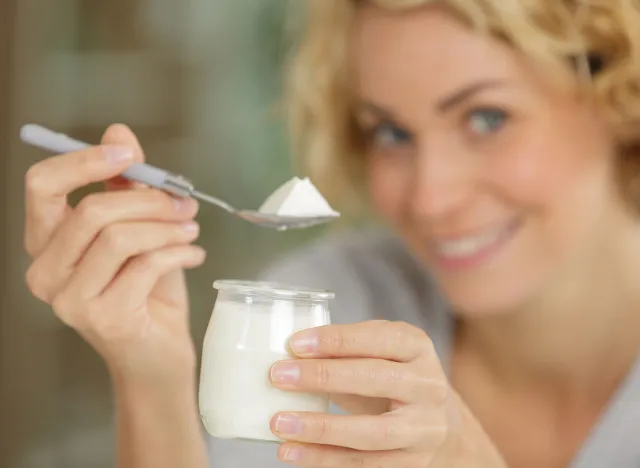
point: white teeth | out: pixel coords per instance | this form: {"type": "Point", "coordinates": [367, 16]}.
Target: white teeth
{"type": "Point", "coordinates": [467, 246]}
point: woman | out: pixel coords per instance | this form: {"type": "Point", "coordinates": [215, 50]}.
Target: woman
{"type": "Point", "coordinates": [497, 141]}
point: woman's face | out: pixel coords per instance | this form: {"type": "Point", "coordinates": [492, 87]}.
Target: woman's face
{"type": "Point", "coordinates": [497, 179]}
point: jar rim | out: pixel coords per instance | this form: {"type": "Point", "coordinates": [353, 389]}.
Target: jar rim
{"type": "Point", "coordinates": [272, 289]}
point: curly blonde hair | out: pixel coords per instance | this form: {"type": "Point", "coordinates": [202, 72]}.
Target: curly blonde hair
{"type": "Point", "coordinates": [602, 36]}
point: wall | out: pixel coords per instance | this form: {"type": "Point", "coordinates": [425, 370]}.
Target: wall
{"type": "Point", "coordinates": [197, 80]}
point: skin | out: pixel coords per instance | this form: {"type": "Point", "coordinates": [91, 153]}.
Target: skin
{"type": "Point", "coordinates": [510, 150]}
{"type": "Point", "coordinates": [112, 269]}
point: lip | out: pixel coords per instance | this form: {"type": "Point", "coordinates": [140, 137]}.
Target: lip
{"type": "Point", "coordinates": [478, 257]}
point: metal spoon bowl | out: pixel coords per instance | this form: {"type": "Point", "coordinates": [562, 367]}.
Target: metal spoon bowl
{"type": "Point", "coordinates": [268, 220]}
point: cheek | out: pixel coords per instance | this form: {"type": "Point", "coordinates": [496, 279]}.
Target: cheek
{"type": "Point", "coordinates": [543, 175]}
{"type": "Point", "coordinates": [565, 191]}
{"type": "Point", "coordinates": [388, 182]}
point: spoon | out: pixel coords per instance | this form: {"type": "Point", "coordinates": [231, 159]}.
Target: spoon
{"type": "Point", "coordinates": [41, 137]}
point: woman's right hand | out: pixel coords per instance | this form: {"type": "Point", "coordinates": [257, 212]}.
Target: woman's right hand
{"type": "Point", "coordinates": [112, 267]}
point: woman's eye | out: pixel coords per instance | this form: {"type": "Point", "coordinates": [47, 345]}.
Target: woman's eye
{"type": "Point", "coordinates": [386, 135]}
{"type": "Point", "coordinates": [486, 121]}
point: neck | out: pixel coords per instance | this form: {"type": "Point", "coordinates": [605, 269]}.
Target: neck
{"type": "Point", "coordinates": [582, 334]}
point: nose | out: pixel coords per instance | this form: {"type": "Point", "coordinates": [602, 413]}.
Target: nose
{"type": "Point", "coordinates": [442, 185]}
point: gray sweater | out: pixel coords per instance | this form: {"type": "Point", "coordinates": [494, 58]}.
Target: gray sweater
{"type": "Point", "coordinates": [374, 277]}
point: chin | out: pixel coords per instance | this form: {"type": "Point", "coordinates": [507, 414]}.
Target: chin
{"type": "Point", "coordinates": [485, 297]}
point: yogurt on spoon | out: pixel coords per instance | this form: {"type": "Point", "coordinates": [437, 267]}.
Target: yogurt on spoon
{"type": "Point", "coordinates": [300, 198]}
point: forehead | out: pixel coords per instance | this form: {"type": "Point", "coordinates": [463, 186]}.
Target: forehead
{"type": "Point", "coordinates": [426, 48]}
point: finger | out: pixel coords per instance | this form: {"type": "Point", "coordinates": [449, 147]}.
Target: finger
{"type": "Point", "coordinates": [317, 456]}
{"type": "Point", "coordinates": [356, 404]}
{"type": "Point", "coordinates": [94, 213]}
{"type": "Point", "coordinates": [133, 285]}
{"type": "Point", "coordinates": [50, 181]}
{"type": "Point", "coordinates": [120, 134]}
{"type": "Point", "coordinates": [108, 253]}
{"type": "Point", "coordinates": [121, 242]}
{"type": "Point", "coordinates": [123, 304]}
{"type": "Point", "coordinates": [395, 341]}
{"type": "Point", "coordinates": [362, 432]}
{"type": "Point", "coordinates": [374, 378]}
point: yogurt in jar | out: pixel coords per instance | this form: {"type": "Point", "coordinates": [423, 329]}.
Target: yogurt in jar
{"type": "Point", "coordinates": [248, 332]}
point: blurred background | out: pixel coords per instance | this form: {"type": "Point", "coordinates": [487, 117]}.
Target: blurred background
{"type": "Point", "coordinates": [198, 81]}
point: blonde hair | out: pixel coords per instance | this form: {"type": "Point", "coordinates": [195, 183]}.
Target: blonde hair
{"type": "Point", "coordinates": [549, 31]}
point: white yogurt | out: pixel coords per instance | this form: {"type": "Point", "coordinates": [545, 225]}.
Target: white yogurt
{"type": "Point", "coordinates": [242, 342]}
{"type": "Point", "coordinates": [297, 197]}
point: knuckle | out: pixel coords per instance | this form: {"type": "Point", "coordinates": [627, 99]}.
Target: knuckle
{"type": "Point", "coordinates": [322, 374]}
{"type": "Point", "coordinates": [35, 179]}
{"type": "Point", "coordinates": [320, 457]}
{"type": "Point", "coordinates": [386, 434]}
{"type": "Point", "coordinates": [34, 278]}
{"type": "Point", "coordinates": [350, 459]}
{"type": "Point", "coordinates": [357, 461]}
{"type": "Point", "coordinates": [116, 239]}
{"type": "Point", "coordinates": [162, 201]}
{"type": "Point", "coordinates": [156, 201]}
{"type": "Point", "coordinates": [90, 209]}
{"type": "Point", "coordinates": [425, 342]}
{"type": "Point", "coordinates": [319, 429]}
{"type": "Point", "coordinates": [146, 264]}
{"type": "Point", "coordinates": [335, 341]}
{"type": "Point", "coordinates": [406, 333]}
{"type": "Point", "coordinates": [394, 335]}
{"type": "Point", "coordinates": [405, 330]}
{"type": "Point", "coordinates": [61, 305]}
{"type": "Point", "coordinates": [42, 284]}
{"type": "Point", "coordinates": [392, 375]}
{"type": "Point", "coordinates": [87, 159]}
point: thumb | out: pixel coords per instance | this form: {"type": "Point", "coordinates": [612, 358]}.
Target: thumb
{"type": "Point", "coordinates": [120, 134]}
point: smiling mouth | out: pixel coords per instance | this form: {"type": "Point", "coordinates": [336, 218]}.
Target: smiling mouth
{"type": "Point", "coordinates": [470, 251]}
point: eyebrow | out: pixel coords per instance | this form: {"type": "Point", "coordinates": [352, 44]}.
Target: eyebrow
{"type": "Point", "coordinates": [466, 93]}
{"type": "Point", "coordinates": [443, 105]}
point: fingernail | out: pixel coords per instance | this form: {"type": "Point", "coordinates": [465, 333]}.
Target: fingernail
{"type": "Point", "coordinates": [285, 372]}
{"type": "Point", "coordinates": [117, 154]}
{"type": "Point", "coordinates": [304, 342]}
{"type": "Point", "coordinates": [292, 455]}
{"type": "Point", "coordinates": [191, 227]}
{"type": "Point", "coordinates": [288, 424]}
{"type": "Point", "coordinates": [183, 204]}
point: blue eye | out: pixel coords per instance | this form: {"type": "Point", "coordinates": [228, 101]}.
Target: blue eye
{"type": "Point", "coordinates": [486, 121]}
{"type": "Point", "coordinates": [387, 134]}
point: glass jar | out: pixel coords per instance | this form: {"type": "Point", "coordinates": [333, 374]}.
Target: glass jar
{"type": "Point", "coordinates": [248, 332]}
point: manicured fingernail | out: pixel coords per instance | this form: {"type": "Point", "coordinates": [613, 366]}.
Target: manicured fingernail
{"type": "Point", "coordinates": [191, 227]}
{"type": "Point", "coordinates": [304, 342]}
{"type": "Point", "coordinates": [183, 204]}
{"type": "Point", "coordinates": [285, 372]}
{"type": "Point", "coordinates": [292, 455]}
{"type": "Point", "coordinates": [117, 154]}
{"type": "Point", "coordinates": [288, 424]}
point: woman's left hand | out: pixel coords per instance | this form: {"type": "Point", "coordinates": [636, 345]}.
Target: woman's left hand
{"type": "Point", "coordinates": [403, 412]}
